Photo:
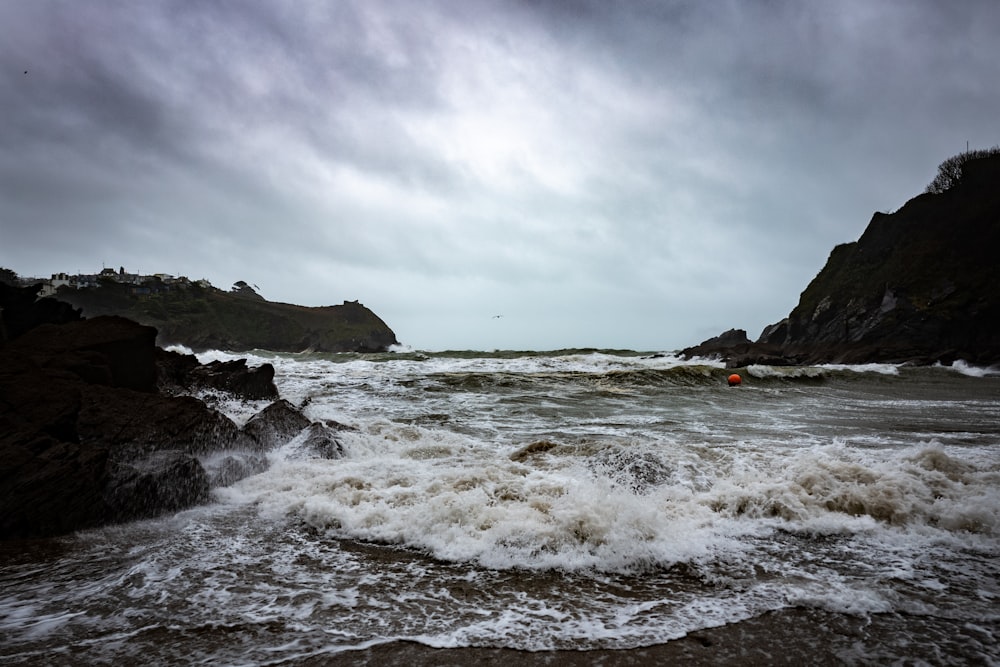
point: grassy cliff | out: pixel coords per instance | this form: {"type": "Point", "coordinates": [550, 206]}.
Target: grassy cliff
{"type": "Point", "coordinates": [208, 318]}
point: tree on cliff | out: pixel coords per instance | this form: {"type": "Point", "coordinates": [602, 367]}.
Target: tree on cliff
{"type": "Point", "coordinates": [950, 171]}
{"type": "Point", "coordinates": [8, 277]}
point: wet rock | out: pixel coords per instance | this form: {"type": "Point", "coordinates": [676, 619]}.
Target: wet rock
{"type": "Point", "coordinates": [321, 441]}
{"type": "Point", "coordinates": [532, 449]}
{"type": "Point", "coordinates": [276, 424]}
{"type": "Point", "coordinates": [86, 439]}
{"type": "Point", "coordinates": [178, 373]}
{"type": "Point", "coordinates": [48, 486]}
{"type": "Point", "coordinates": [236, 378]}
{"type": "Point", "coordinates": [229, 468]}
{"type": "Point", "coordinates": [131, 424]}
{"type": "Point", "coordinates": [163, 481]}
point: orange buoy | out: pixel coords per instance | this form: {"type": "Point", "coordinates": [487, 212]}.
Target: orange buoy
{"type": "Point", "coordinates": [735, 380]}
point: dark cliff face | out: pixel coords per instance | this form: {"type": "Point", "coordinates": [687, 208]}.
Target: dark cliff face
{"type": "Point", "coordinates": [919, 283]}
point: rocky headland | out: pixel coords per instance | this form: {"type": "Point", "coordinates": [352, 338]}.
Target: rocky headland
{"type": "Point", "coordinates": [99, 425]}
{"type": "Point", "coordinates": [204, 318]}
{"type": "Point", "coordinates": [919, 286]}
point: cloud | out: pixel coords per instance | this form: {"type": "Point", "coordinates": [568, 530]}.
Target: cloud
{"type": "Point", "coordinates": [628, 175]}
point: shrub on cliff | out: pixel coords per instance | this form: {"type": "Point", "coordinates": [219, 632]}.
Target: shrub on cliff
{"type": "Point", "coordinates": [950, 171]}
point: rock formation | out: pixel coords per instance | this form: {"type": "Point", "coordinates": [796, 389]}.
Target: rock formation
{"type": "Point", "coordinates": [95, 426]}
{"type": "Point", "coordinates": [918, 286]}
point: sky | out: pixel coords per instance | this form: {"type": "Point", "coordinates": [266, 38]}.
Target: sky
{"type": "Point", "coordinates": [633, 174]}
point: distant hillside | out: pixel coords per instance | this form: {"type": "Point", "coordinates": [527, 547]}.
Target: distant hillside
{"type": "Point", "coordinates": [207, 318]}
{"type": "Point", "coordinates": [920, 285]}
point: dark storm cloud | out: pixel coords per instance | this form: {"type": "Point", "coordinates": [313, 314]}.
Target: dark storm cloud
{"type": "Point", "coordinates": [685, 166]}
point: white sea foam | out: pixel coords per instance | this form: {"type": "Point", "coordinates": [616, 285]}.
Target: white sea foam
{"type": "Point", "coordinates": [968, 369]}
{"type": "Point", "coordinates": [762, 371]}
{"type": "Point", "coordinates": [883, 369]}
{"type": "Point", "coordinates": [464, 500]}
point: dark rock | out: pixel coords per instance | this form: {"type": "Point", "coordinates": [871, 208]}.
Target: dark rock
{"type": "Point", "coordinates": [731, 338]}
{"type": "Point", "coordinates": [85, 439]}
{"type": "Point", "coordinates": [234, 377]}
{"type": "Point", "coordinates": [321, 441]}
{"type": "Point", "coordinates": [532, 449]}
{"type": "Point", "coordinates": [919, 282]}
{"type": "Point", "coordinates": [181, 373]}
{"type": "Point", "coordinates": [173, 371]}
{"type": "Point", "coordinates": [919, 286]}
{"type": "Point", "coordinates": [48, 486]}
{"type": "Point", "coordinates": [21, 310]}
{"type": "Point", "coordinates": [111, 351]}
{"type": "Point", "coordinates": [163, 481]}
{"type": "Point", "coordinates": [230, 468]}
{"type": "Point", "coordinates": [132, 425]}
{"type": "Point", "coordinates": [276, 424]}
{"type": "Point", "coordinates": [337, 426]}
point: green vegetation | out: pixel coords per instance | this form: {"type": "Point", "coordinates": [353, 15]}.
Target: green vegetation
{"type": "Point", "coordinates": [208, 318]}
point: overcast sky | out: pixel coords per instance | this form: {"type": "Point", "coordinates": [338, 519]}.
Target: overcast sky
{"type": "Point", "coordinates": [607, 174]}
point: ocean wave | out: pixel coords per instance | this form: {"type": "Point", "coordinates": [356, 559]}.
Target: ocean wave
{"type": "Point", "coordinates": [617, 509]}
{"type": "Point", "coordinates": [881, 369]}
{"type": "Point", "coordinates": [969, 370]}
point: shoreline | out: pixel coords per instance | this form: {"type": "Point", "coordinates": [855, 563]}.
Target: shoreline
{"type": "Point", "coordinates": [792, 636]}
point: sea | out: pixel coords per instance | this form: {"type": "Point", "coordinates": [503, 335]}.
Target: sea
{"type": "Point", "coordinates": [561, 508]}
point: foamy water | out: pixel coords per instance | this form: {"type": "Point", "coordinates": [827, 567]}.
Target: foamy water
{"type": "Point", "coordinates": [577, 500]}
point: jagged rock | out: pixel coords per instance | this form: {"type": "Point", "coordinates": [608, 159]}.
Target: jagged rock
{"type": "Point", "coordinates": [84, 437]}
{"type": "Point", "coordinates": [321, 441]}
{"type": "Point", "coordinates": [236, 378]}
{"type": "Point", "coordinates": [181, 373]}
{"type": "Point", "coordinates": [173, 371]}
{"type": "Point", "coordinates": [919, 286]}
{"type": "Point", "coordinates": [730, 338]}
{"type": "Point", "coordinates": [337, 426]}
{"type": "Point", "coordinates": [276, 424]}
{"type": "Point", "coordinates": [729, 343]}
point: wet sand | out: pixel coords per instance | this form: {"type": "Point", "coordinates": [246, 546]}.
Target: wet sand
{"type": "Point", "coordinates": [788, 637]}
